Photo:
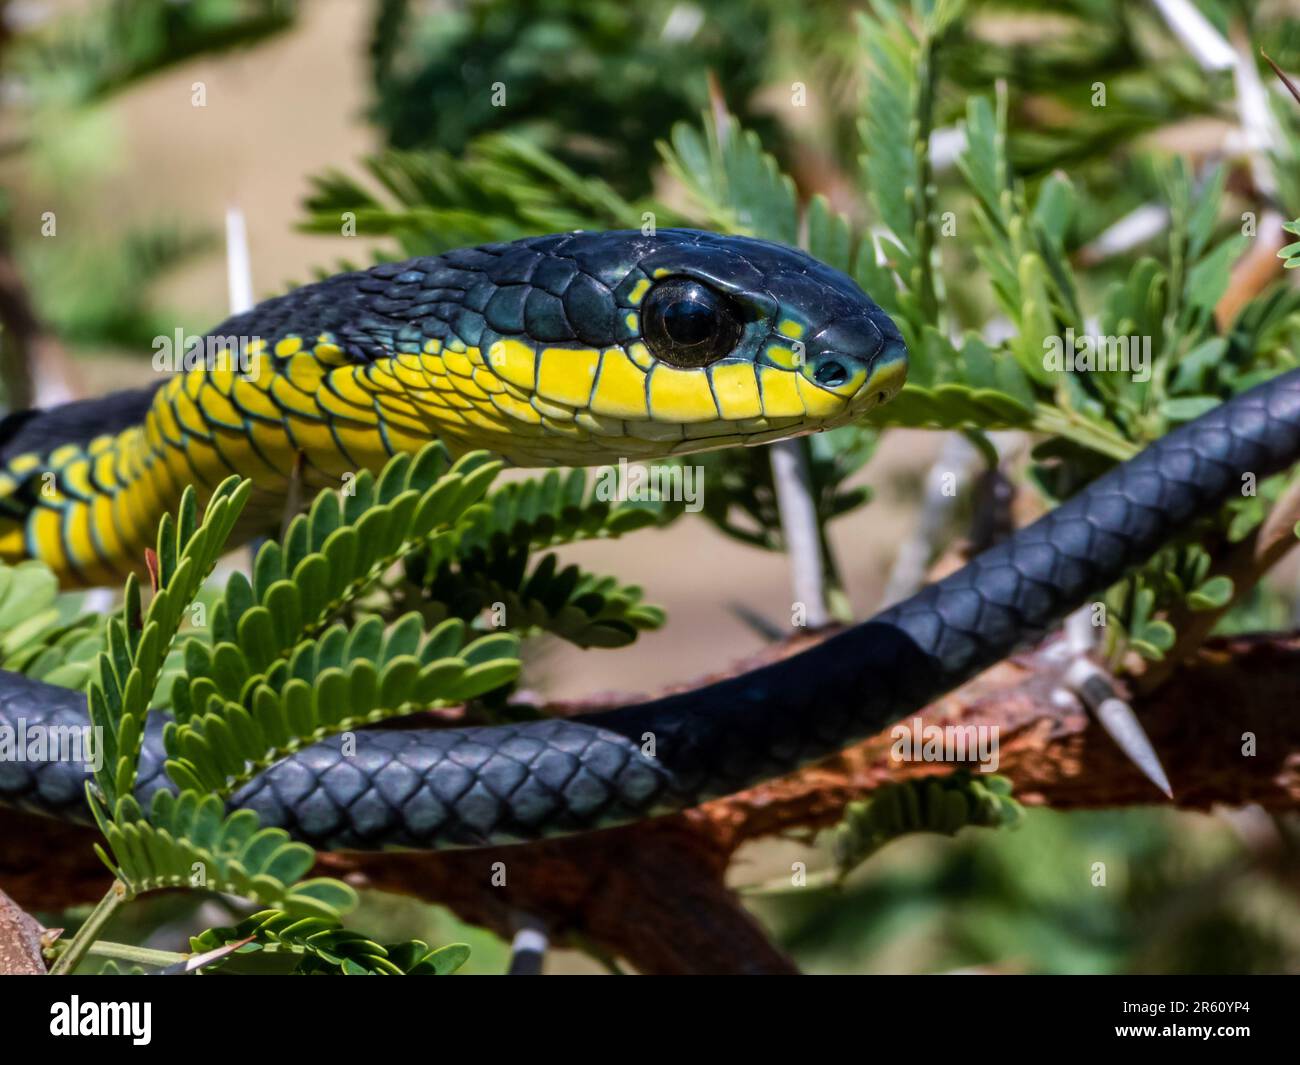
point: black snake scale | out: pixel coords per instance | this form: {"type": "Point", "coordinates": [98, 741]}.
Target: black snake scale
{"type": "Point", "coordinates": [431, 788]}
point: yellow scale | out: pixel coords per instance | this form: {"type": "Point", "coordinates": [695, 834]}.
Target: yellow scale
{"type": "Point", "coordinates": [95, 508]}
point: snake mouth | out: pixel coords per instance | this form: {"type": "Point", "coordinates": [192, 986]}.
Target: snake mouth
{"type": "Point", "coordinates": [861, 384]}
{"type": "Point", "coordinates": [888, 372]}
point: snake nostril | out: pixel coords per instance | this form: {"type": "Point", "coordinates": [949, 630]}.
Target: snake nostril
{"type": "Point", "coordinates": [831, 374]}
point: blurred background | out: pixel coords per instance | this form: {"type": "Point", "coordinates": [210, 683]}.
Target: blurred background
{"type": "Point", "coordinates": [130, 128]}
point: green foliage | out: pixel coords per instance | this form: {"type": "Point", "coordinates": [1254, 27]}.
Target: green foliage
{"type": "Point", "coordinates": [1149, 636]}
{"type": "Point", "coordinates": [280, 672]}
{"type": "Point", "coordinates": [276, 678]}
{"type": "Point", "coordinates": [190, 842]}
{"type": "Point", "coordinates": [894, 131]}
{"type": "Point", "coordinates": [943, 804]}
{"type": "Point", "coordinates": [1061, 60]}
{"type": "Point", "coordinates": [116, 44]}
{"type": "Point", "coordinates": [487, 564]}
{"type": "Point", "coordinates": [1180, 573]}
{"type": "Point", "coordinates": [1160, 312]}
{"type": "Point", "coordinates": [41, 632]}
{"type": "Point", "coordinates": [501, 188]}
{"type": "Point", "coordinates": [232, 723]}
{"type": "Point", "coordinates": [186, 840]}
{"type": "Point", "coordinates": [1027, 270]}
{"type": "Point", "coordinates": [555, 508]}
{"type": "Point", "coordinates": [341, 548]}
{"type": "Point", "coordinates": [580, 607]}
{"type": "Point", "coordinates": [101, 295]}
{"type": "Point", "coordinates": [137, 642]}
{"type": "Point", "coordinates": [619, 73]}
{"type": "Point", "coordinates": [321, 946]}
{"type": "Point", "coordinates": [1291, 253]}
{"type": "Point", "coordinates": [735, 185]}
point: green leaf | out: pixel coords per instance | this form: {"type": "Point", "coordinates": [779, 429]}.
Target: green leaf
{"type": "Point", "coordinates": [942, 804]}
{"type": "Point", "coordinates": [1214, 594]}
{"type": "Point", "coordinates": [138, 644]}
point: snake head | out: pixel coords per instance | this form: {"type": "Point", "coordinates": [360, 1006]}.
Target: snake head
{"type": "Point", "coordinates": [583, 348]}
{"type": "Point", "coordinates": [638, 346]}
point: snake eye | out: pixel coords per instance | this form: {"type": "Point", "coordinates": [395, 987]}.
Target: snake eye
{"type": "Point", "coordinates": [688, 324]}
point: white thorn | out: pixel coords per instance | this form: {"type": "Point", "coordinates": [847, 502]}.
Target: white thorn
{"type": "Point", "coordinates": [239, 269]}
{"type": "Point", "coordinates": [1206, 44]}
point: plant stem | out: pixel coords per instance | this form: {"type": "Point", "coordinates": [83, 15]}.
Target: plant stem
{"type": "Point", "coordinates": [90, 931]}
{"type": "Point", "coordinates": [818, 880]}
{"type": "Point", "coordinates": [158, 959]}
{"type": "Point", "coordinates": [1072, 426]}
{"type": "Point", "coordinates": [800, 528]}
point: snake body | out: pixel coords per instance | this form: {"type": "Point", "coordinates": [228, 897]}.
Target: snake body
{"type": "Point", "coordinates": [433, 788]}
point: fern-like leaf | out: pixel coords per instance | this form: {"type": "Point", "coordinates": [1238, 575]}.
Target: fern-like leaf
{"type": "Point", "coordinates": [233, 723]}
{"type": "Point", "coordinates": [127, 671]}
{"type": "Point", "coordinates": [41, 632]}
{"type": "Point", "coordinates": [321, 946]}
{"type": "Point", "coordinates": [942, 804]}
{"type": "Point", "coordinates": [190, 842]}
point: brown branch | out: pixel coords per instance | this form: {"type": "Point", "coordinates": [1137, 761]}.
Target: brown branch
{"type": "Point", "coordinates": [32, 361]}
{"type": "Point", "coordinates": [20, 941]}
{"type": "Point", "coordinates": [654, 893]}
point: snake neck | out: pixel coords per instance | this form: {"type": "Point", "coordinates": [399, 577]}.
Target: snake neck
{"type": "Point", "coordinates": [292, 410]}
{"type": "Point", "coordinates": [89, 508]}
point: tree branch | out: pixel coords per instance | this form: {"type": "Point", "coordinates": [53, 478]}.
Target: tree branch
{"type": "Point", "coordinates": [608, 888]}
{"type": "Point", "coordinates": [20, 941]}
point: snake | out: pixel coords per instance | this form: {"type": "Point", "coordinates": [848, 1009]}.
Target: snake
{"type": "Point", "coordinates": [570, 349]}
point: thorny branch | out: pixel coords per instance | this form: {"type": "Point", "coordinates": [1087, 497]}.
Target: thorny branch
{"type": "Point", "coordinates": [607, 888]}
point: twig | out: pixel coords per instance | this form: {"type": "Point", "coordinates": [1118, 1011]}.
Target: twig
{"type": "Point", "coordinates": [239, 266]}
{"type": "Point", "coordinates": [916, 552]}
{"type": "Point", "coordinates": [799, 528]}
{"type": "Point", "coordinates": [528, 948]}
{"type": "Point", "coordinates": [1199, 37]}
{"type": "Point", "coordinates": [91, 930]}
